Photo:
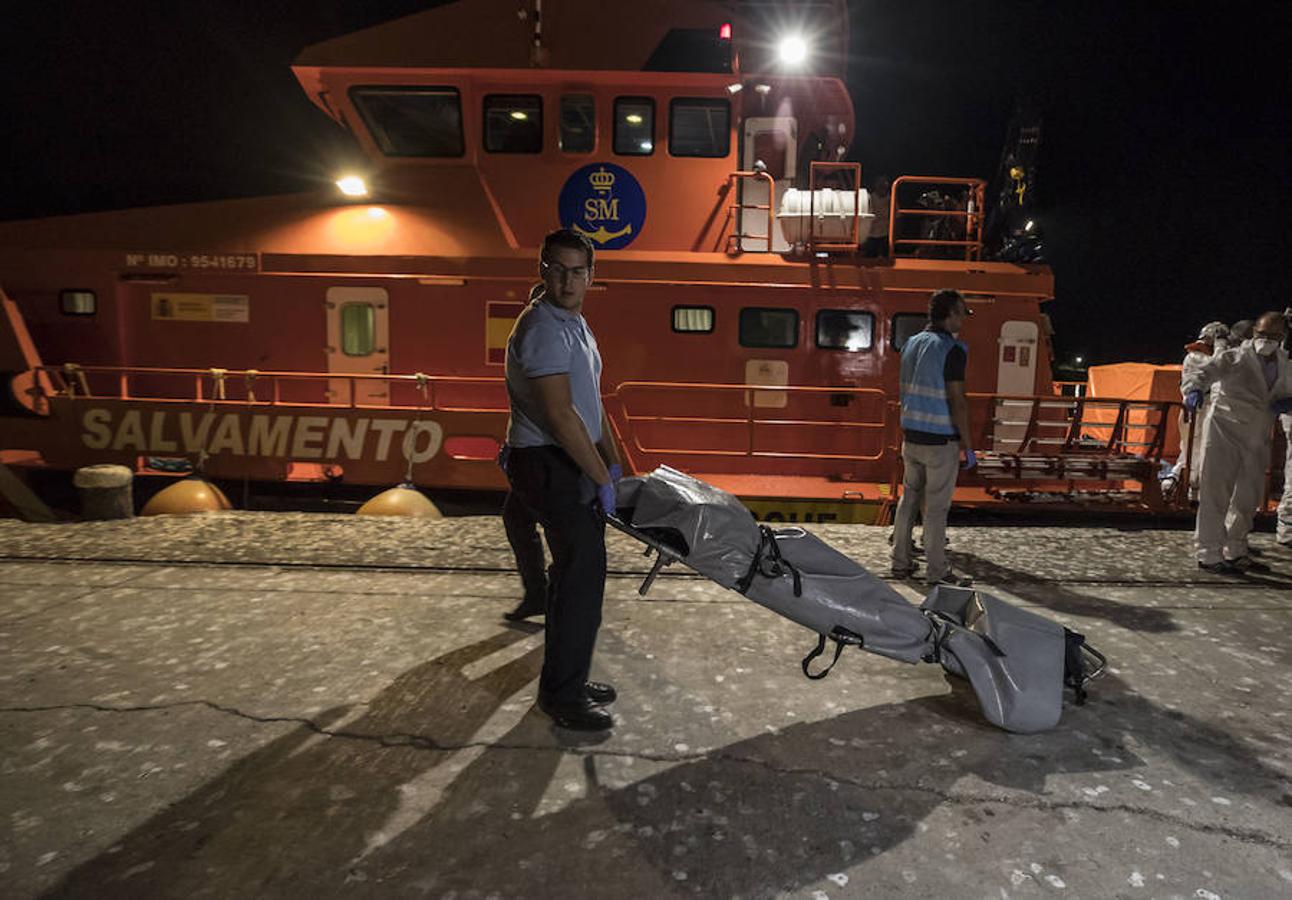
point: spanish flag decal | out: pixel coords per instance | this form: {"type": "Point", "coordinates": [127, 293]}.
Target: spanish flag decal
{"type": "Point", "coordinates": [500, 316]}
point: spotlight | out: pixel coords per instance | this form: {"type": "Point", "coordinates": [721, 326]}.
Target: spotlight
{"type": "Point", "coordinates": [793, 50]}
{"type": "Point", "coordinates": [352, 186]}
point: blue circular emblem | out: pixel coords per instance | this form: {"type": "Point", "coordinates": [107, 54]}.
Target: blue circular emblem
{"type": "Point", "coordinates": [605, 203]}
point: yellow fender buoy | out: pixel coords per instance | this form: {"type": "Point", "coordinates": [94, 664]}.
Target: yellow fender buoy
{"type": "Point", "coordinates": [190, 495]}
{"type": "Point", "coordinates": [403, 500]}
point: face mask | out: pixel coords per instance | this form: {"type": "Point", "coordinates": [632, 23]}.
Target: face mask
{"type": "Point", "coordinates": [1265, 346]}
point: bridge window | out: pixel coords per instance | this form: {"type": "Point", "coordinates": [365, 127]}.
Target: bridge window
{"type": "Point", "coordinates": [699, 126]}
{"type": "Point", "coordinates": [845, 329]}
{"type": "Point", "coordinates": [693, 319]}
{"type": "Point", "coordinates": [634, 126]}
{"type": "Point", "coordinates": [410, 121]}
{"type": "Point", "coordinates": [906, 325]}
{"type": "Point", "coordinates": [578, 123]}
{"type": "Point", "coordinates": [762, 327]}
{"type": "Point", "coordinates": [77, 303]}
{"type": "Point", "coordinates": [513, 123]}
{"type": "Point", "coordinates": [358, 329]}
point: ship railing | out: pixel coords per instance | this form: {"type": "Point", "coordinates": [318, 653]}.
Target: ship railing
{"type": "Point", "coordinates": [947, 223]}
{"type": "Point", "coordinates": [1069, 438]}
{"type": "Point", "coordinates": [444, 393]}
{"type": "Point", "coordinates": [818, 173]}
{"type": "Point", "coordinates": [736, 211]}
{"type": "Point", "coordinates": [746, 421]}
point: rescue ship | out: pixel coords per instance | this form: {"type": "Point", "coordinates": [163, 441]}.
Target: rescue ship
{"type": "Point", "coordinates": [750, 330]}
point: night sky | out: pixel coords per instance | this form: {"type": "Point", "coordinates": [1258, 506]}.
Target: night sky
{"type": "Point", "coordinates": [1163, 168]}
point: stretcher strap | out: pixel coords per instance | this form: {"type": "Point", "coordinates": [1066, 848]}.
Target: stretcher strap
{"type": "Point", "coordinates": [842, 637]}
{"type": "Point", "coordinates": [1074, 665]}
{"type": "Point", "coordinates": [769, 563]}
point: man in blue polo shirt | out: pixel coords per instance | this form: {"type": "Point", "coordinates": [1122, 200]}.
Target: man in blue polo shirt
{"type": "Point", "coordinates": [935, 426]}
{"type": "Point", "coordinates": [563, 465]}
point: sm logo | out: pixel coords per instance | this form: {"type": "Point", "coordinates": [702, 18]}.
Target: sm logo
{"type": "Point", "coordinates": [605, 203]}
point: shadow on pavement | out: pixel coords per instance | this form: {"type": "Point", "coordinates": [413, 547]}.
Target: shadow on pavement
{"type": "Point", "coordinates": [1056, 597]}
{"type": "Point", "coordinates": [756, 817]}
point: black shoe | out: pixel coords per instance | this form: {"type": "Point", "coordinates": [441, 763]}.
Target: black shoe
{"type": "Point", "coordinates": [600, 693]}
{"type": "Point", "coordinates": [526, 610]}
{"type": "Point", "coordinates": [900, 573]}
{"type": "Point", "coordinates": [581, 715]}
{"type": "Point", "coordinates": [1224, 567]}
{"type": "Point", "coordinates": [1247, 564]}
{"type": "Point", "coordinates": [954, 580]}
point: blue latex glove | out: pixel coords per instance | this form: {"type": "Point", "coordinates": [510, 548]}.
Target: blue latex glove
{"type": "Point", "coordinates": [1282, 406]}
{"type": "Point", "coordinates": [616, 472]}
{"type": "Point", "coordinates": [606, 497]}
{"type": "Point", "coordinates": [504, 454]}
{"type": "Point", "coordinates": [1193, 400]}
{"type": "Point", "coordinates": [971, 460]}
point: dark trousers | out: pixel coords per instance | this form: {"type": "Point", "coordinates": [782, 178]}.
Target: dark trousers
{"type": "Point", "coordinates": [521, 524]}
{"type": "Point", "coordinates": [553, 486]}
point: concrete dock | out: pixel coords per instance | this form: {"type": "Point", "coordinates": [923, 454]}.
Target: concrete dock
{"type": "Point", "coordinates": [287, 705]}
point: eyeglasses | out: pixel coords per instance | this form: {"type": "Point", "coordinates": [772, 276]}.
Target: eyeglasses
{"type": "Point", "coordinates": [558, 271]}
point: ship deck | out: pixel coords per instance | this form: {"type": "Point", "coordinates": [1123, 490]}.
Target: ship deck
{"type": "Point", "coordinates": [273, 704]}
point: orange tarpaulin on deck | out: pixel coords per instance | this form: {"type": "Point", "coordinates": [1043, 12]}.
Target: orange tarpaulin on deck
{"type": "Point", "coordinates": [1134, 381]}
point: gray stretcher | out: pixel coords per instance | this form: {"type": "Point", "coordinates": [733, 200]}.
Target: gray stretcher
{"type": "Point", "coordinates": [1017, 662]}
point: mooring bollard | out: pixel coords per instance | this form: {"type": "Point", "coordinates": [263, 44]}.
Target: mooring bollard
{"type": "Point", "coordinates": [106, 492]}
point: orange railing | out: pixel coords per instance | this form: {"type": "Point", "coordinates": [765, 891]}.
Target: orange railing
{"type": "Point", "coordinates": [742, 420]}
{"type": "Point", "coordinates": [959, 215]}
{"type": "Point", "coordinates": [818, 169]}
{"type": "Point", "coordinates": [1041, 438]}
{"type": "Point", "coordinates": [446, 393]}
{"type": "Point", "coordinates": [735, 242]}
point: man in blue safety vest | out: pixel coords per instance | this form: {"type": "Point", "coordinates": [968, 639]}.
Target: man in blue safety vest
{"type": "Point", "coordinates": [935, 427]}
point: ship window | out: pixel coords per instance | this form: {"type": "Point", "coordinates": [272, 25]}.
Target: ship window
{"type": "Point", "coordinates": [408, 121]}
{"type": "Point", "coordinates": [578, 123]}
{"type": "Point", "coordinates": [513, 123]}
{"type": "Point", "coordinates": [77, 303]}
{"type": "Point", "coordinates": [905, 325]}
{"type": "Point", "coordinates": [693, 319]}
{"type": "Point", "coordinates": [845, 329]}
{"type": "Point", "coordinates": [699, 127]}
{"type": "Point", "coordinates": [358, 329]}
{"type": "Point", "coordinates": [634, 126]}
{"type": "Point", "coordinates": [761, 327]}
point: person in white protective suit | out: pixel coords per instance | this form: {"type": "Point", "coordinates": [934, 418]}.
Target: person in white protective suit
{"type": "Point", "coordinates": [1284, 532]}
{"type": "Point", "coordinates": [1213, 338]}
{"type": "Point", "coordinates": [1284, 529]}
{"type": "Point", "coordinates": [1248, 380]}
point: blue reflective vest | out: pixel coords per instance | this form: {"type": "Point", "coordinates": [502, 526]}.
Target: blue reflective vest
{"type": "Point", "coordinates": [924, 389]}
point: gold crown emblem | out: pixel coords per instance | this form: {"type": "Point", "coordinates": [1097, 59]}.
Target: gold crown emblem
{"type": "Point", "coordinates": [601, 180]}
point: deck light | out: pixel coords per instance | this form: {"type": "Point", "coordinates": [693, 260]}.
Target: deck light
{"type": "Point", "coordinates": [646, 146]}
{"type": "Point", "coordinates": [352, 186]}
{"type": "Point", "coordinates": [633, 119]}
{"type": "Point", "coordinates": [734, 87]}
{"type": "Point", "coordinates": [519, 115]}
{"type": "Point", "coordinates": [793, 50]}
{"type": "Point", "coordinates": [1029, 225]}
